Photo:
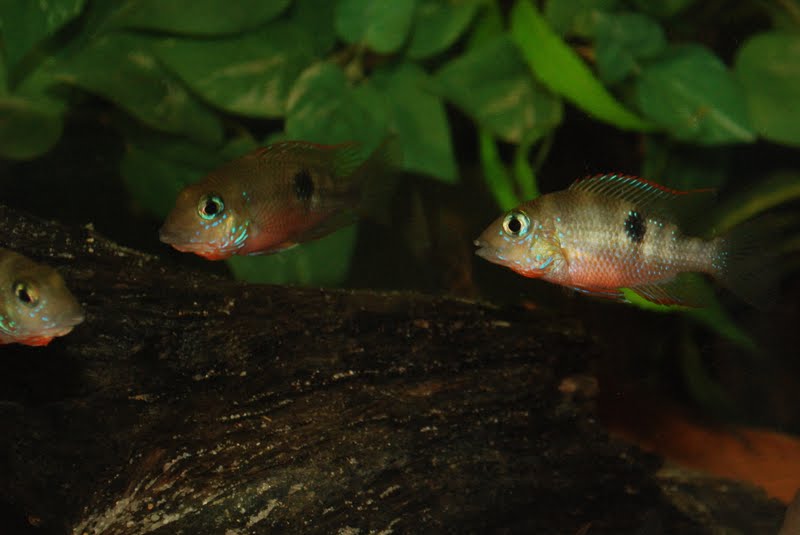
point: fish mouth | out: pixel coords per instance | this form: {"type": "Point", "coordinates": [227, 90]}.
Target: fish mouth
{"type": "Point", "coordinates": [209, 252]}
{"type": "Point", "coordinates": [484, 250]}
{"type": "Point", "coordinates": [167, 237]}
{"type": "Point", "coordinates": [74, 319]}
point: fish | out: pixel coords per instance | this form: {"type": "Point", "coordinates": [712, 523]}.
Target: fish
{"type": "Point", "coordinates": [612, 232]}
{"type": "Point", "coordinates": [278, 196]}
{"type": "Point", "coordinates": [35, 304]}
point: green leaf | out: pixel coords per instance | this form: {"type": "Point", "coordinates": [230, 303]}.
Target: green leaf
{"type": "Point", "coordinates": [25, 23]}
{"type": "Point", "coordinates": [702, 387]}
{"type": "Point", "coordinates": [684, 167]}
{"type": "Point", "coordinates": [324, 108]}
{"type": "Point", "coordinates": [497, 176]}
{"type": "Point", "coordinates": [692, 94]}
{"type": "Point", "coordinates": [576, 17]}
{"type": "Point", "coordinates": [3, 75]}
{"type": "Point", "coordinates": [768, 66]}
{"type": "Point", "coordinates": [121, 68]}
{"type": "Point", "coordinates": [315, 18]}
{"type": "Point", "coordinates": [382, 26]}
{"type": "Point", "coordinates": [492, 84]}
{"type": "Point", "coordinates": [28, 126]}
{"type": "Point", "coordinates": [488, 25]}
{"type": "Point", "coordinates": [419, 118]}
{"type": "Point", "coordinates": [323, 262]}
{"type": "Point", "coordinates": [713, 316]}
{"type": "Point", "coordinates": [662, 8]}
{"type": "Point", "coordinates": [198, 17]}
{"type": "Point", "coordinates": [523, 171]}
{"type": "Point", "coordinates": [437, 25]}
{"type": "Point", "coordinates": [760, 196]}
{"type": "Point", "coordinates": [156, 167]}
{"type": "Point", "coordinates": [249, 74]}
{"type": "Point", "coordinates": [717, 318]}
{"type": "Point", "coordinates": [559, 68]}
{"type": "Point", "coordinates": [622, 40]}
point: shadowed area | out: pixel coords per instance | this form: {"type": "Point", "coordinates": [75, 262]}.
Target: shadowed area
{"type": "Point", "coordinates": [188, 403]}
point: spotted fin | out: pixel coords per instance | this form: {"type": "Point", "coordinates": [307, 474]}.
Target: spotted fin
{"type": "Point", "coordinates": [635, 190]}
{"type": "Point", "coordinates": [686, 289]}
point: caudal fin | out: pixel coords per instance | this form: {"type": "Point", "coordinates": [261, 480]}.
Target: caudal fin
{"type": "Point", "coordinates": [746, 263]}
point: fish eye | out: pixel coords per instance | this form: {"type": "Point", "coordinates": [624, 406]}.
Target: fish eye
{"type": "Point", "coordinates": [26, 293]}
{"type": "Point", "coordinates": [210, 206]}
{"type": "Point", "coordinates": [517, 224]}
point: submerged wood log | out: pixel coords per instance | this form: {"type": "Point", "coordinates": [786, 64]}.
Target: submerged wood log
{"type": "Point", "coordinates": [188, 403]}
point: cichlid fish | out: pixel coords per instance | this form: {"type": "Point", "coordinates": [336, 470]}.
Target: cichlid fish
{"type": "Point", "coordinates": [35, 305]}
{"type": "Point", "coordinates": [610, 232]}
{"type": "Point", "coordinates": [274, 198]}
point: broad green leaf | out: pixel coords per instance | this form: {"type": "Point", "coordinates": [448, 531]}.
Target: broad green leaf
{"type": "Point", "coordinates": [622, 40]}
{"type": "Point", "coordinates": [495, 172]}
{"type": "Point", "coordinates": [784, 15]}
{"type": "Point", "coordinates": [25, 23]}
{"type": "Point", "coordinates": [523, 170]}
{"type": "Point", "coordinates": [768, 66]}
{"type": "Point", "coordinates": [761, 195]}
{"type": "Point", "coordinates": [121, 68]}
{"type": "Point", "coordinates": [3, 75]}
{"type": "Point", "coordinates": [559, 68]}
{"type": "Point", "coordinates": [380, 25]}
{"type": "Point", "coordinates": [577, 17]}
{"type": "Point", "coordinates": [28, 126]}
{"type": "Point", "coordinates": [438, 24]}
{"type": "Point", "coordinates": [492, 84]}
{"type": "Point", "coordinates": [662, 8]}
{"type": "Point", "coordinates": [315, 18]}
{"type": "Point", "coordinates": [419, 118]}
{"type": "Point", "coordinates": [156, 167]}
{"type": "Point", "coordinates": [692, 94]}
{"type": "Point", "coordinates": [324, 108]}
{"type": "Point", "coordinates": [685, 167]}
{"type": "Point", "coordinates": [198, 17]}
{"type": "Point", "coordinates": [249, 74]}
{"type": "Point", "coordinates": [323, 262]}
{"type": "Point", "coordinates": [488, 25]}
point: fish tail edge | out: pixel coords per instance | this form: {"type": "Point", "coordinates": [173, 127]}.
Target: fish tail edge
{"type": "Point", "coordinates": [375, 180]}
{"type": "Point", "coordinates": [746, 265]}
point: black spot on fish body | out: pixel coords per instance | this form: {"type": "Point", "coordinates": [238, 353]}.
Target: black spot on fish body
{"type": "Point", "coordinates": [303, 185]}
{"type": "Point", "coordinates": [635, 226]}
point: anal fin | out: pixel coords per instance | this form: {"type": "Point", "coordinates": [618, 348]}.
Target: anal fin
{"type": "Point", "coordinates": [605, 293]}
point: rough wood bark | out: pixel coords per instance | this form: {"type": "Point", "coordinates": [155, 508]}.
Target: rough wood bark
{"type": "Point", "coordinates": [191, 404]}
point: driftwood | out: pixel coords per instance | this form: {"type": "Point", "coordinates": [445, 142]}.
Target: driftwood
{"type": "Point", "coordinates": [191, 404]}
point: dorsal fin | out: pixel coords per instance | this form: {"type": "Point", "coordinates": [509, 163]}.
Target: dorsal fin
{"type": "Point", "coordinates": [342, 158]}
{"type": "Point", "coordinates": [630, 188]}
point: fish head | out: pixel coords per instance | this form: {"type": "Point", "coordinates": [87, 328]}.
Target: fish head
{"type": "Point", "coordinates": [518, 240]}
{"type": "Point", "coordinates": [36, 304]}
{"type": "Point", "coordinates": [209, 220]}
